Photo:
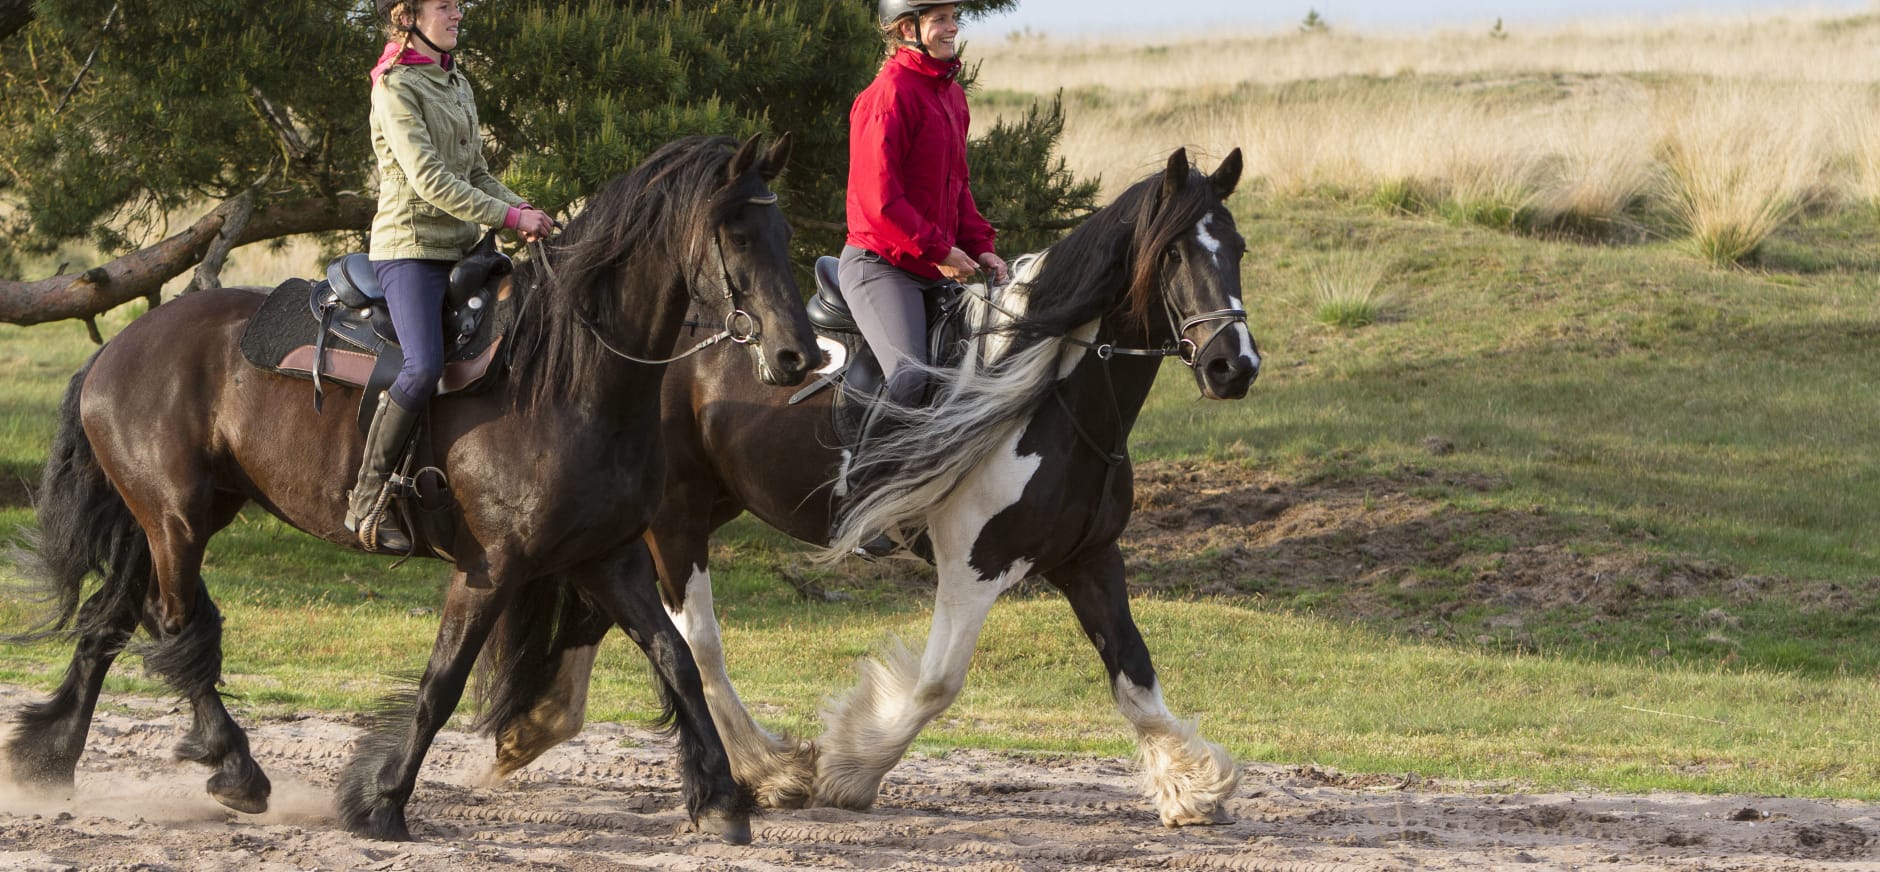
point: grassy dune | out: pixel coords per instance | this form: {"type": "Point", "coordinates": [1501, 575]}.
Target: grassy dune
{"type": "Point", "coordinates": [1523, 227]}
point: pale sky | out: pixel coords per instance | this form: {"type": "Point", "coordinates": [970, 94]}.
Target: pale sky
{"type": "Point", "coordinates": [1080, 17]}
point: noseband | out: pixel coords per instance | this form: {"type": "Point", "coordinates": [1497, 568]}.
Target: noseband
{"type": "Point", "coordinates": [741, 326]}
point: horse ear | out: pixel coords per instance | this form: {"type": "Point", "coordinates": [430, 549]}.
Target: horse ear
{"type": "Point", "coordinates": [1226, 176]}
{"type": "Point", "coordinates": [1177, 175]}
{"type": "Point", "coordinates": [775, 159]}
{"type": "Point", "coordinates": [742, 161]}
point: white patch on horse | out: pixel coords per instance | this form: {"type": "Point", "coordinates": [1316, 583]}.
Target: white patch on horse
{"type": "Point", "coordinates": [993, 486]}
{"type": "Point", "coordinates": [835, 355]}
{"type": "Point", "coordinates": [1245, 336]}
{"type": "Point", "coordinates": [1074, 352]}
{"type": "Point", "coordinates": [779, 769]}
{"type": "Point", "coordinates": [1187, 777]}
{"type": "Point", "coordinates": [1207, 239]}
{"type": "Point", "coordinates": [869, 728]}
{"type": "Point", "coordinates": [842, 473]}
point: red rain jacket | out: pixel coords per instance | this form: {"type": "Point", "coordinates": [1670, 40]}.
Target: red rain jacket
{"type": "Point", "coordinates": [908, 198]}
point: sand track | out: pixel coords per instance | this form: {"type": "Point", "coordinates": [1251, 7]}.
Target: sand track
{"type": "Point", "coordinates": [610, 800]}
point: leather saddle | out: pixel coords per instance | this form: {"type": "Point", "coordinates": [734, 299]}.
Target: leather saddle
{"type": "Point", "coordinates": [340, 329]}
{"type": "Point", "coordinates": [860, 379]}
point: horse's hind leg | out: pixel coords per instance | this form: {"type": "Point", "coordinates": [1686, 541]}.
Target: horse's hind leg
{"type": "Point", "coordinates": [1187, 777]}
{"type": "Point", "coordinates": [624, 586]}
{"type": "Point", "coordinates": [538, 702]}
{"type": "Point", "coordinates": [49, 737]}
{"type": "Point", "coordinates": [187, 655]}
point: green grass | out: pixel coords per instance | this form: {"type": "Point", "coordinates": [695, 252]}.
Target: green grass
{"type": "Point", "coordinates": [1632, 395]}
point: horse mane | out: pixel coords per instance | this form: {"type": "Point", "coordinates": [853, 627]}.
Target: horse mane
{"type": "Point", "coordinates": [1109, 265]}
{"type": "Point", "coordinates": [641, 214]}
{"type": "Point", "coordinates": [1111, 261]}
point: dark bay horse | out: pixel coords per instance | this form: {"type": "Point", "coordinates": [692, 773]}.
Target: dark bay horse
{"type": "Point", "coordinates": [1021, 467]}
{"type": "Point", "coordinates": [167, 432]}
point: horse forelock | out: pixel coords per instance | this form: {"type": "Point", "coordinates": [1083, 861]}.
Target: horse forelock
{"type": "Point", "coordinates": [1112, 261]}
{"type": "Point", "coordinates": [1164, 220]}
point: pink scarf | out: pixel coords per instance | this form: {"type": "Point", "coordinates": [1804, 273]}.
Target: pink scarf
{"type": "Point", "coordinates": [397, 54]}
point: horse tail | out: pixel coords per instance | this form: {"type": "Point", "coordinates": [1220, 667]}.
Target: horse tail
{"type": "Point", "coordinates": [981, 407]}
{"type": "Point", "coordinates": [517, 665]}
{"type": "Point", "coordinates": [84, 528]}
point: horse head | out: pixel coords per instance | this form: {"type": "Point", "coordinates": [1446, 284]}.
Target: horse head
{"type": "Point", "coordinates": [742, 278]}
{"type": "Point", "coordinates": [1189, 249]}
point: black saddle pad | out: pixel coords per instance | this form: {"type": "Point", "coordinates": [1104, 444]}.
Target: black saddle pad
{"type": "Point", "coordinates": [283, 335]}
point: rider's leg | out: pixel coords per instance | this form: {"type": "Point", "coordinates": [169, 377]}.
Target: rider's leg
{"type": "Point", "coordinates": [890, 307]}
{"type": "Point", "coordinates": [414, 292]}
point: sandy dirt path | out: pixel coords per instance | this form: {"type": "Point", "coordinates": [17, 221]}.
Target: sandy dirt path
{"type": "Point", "coordinates": [609, 800]}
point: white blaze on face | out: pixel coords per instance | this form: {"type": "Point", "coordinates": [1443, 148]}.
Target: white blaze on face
{"type": "Point", "coordinates": [1241, 332]}
{"type": "Point", "coordinates": [1207, 239]}
{"type": "Point", "coordinates": [1245, 336]}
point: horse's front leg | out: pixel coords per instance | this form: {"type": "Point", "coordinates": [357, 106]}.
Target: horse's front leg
{"type": "Point", "coordinates": [1187, 777]}
{"type": "Point", "coordinates": [378, 782]}
{"type": "Point", "coordinates": [625, 587]}
{"type": "Point", "coordinates": [868, 730]}
{"type": "Point", "coordinates": [779, 769]}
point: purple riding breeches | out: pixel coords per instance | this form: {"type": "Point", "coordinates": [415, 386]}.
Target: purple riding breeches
{"type": "Point", "coordinates": [414, 293]}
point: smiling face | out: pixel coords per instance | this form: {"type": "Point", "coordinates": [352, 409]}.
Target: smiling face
{"type": "Point", "coordinates": [939, 28]}
{"type": "Point", "coordinates": [437, 20]}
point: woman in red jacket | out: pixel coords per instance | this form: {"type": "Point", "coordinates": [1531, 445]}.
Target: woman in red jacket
{"type": "Point", "coordinates": [911, 216]}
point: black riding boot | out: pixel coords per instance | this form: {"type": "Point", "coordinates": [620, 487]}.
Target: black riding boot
{"type": "Point", "coordinates": [367, 503]}
{"type": "Point", "coordinates": [880, 423]}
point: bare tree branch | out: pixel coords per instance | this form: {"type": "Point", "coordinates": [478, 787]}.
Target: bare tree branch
{"type": "Point", "coordinates": [209, 272]}
{"type": "Point", "coordinates": [283, 126]}
{"type": "Point", "coordinates": [142, 273]}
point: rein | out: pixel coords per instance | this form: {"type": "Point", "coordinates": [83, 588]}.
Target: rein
{"type": "Point", "coordinates": [741, 326]}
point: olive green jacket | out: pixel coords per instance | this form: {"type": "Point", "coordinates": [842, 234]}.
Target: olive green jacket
{"type": "Point", "coordinates": [434, 187]}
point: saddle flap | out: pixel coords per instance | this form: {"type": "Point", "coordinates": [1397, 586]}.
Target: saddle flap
{"type": "Point", "coordinates": [354, 283]}
{"type": "Point", "coordinates": [826, 308]}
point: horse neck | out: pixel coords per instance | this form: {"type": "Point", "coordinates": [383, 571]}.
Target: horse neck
{"type": "Point", "coordinates": [1101, 391]}
{"type": "Point", "coordinates": [650, 334]}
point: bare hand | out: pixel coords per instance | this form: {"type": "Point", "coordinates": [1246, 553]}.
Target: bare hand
{"type": "Point", "coordinates": [959, 266]}
{"type": "Point", "coordinates": [534, 224]}
{"type": "Point", "coordinates": [996, 265]}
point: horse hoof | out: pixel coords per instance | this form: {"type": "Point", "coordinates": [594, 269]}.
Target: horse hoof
{"type": "Point", "coordinates": [386, 824]}
{"type": "Point", "coordinates": [732, 829]}
{"type": "Point", "coordinates": [246, 795]}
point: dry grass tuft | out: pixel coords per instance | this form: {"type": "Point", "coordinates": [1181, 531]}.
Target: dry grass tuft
{"type": "Point", "coordinates": [1735, 170]}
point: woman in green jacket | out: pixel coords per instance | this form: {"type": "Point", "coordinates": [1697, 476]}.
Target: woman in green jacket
{"type": "Point", "coordinates": [435, 194]}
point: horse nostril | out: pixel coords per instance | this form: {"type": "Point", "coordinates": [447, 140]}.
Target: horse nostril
{"type": "Point", "coordinates": [1220, 368]}
{"type": "Point", "coordinates": [790, 361]}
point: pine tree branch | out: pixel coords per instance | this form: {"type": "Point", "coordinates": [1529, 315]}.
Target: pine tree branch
{"type": "Point", "coordinates": [88, 61]}
{"type": "Point", "coordinates": [14, 16]}
{"type": "Point", "coordinates": [142, 273]}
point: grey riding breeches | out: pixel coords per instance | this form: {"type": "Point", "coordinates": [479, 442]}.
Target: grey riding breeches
{"type": "Point", "coordinates": [890, 307]}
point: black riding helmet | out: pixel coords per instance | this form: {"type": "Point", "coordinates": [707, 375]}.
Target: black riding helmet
{"type": "Point", "coordinates": [891, 11]}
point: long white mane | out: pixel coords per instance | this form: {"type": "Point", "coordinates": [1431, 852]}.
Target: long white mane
{"type": "Point", "coordinates": [979, 406]}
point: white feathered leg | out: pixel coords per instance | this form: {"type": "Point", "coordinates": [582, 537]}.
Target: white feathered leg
{"type": "Point", "coordinates": [780, 770]}
{"type": "Point", "coordinates": [1187, 777]}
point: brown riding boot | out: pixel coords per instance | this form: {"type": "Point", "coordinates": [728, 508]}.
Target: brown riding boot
{"type": "Point", "coordinates": [366, 504]}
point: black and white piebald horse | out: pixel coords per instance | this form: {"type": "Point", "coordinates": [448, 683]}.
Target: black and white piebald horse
{"type": "Point", "coordinates": [1020, 467]}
